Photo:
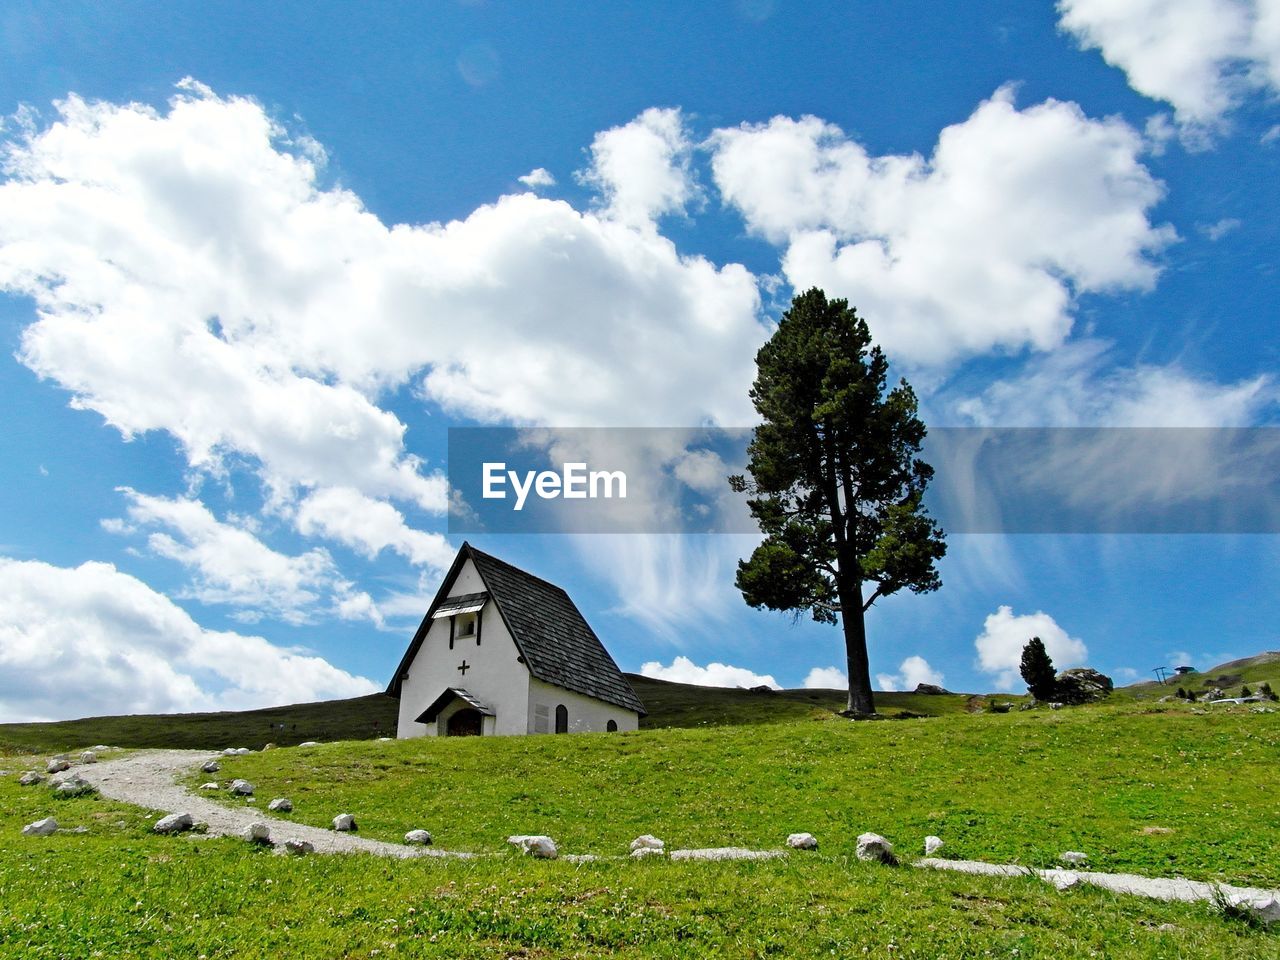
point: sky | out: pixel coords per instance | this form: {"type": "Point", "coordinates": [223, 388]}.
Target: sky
{"type": "Point", "coordinates": [256, 260]}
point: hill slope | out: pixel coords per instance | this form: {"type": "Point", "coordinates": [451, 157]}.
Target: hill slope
{"type": "Point", "coordinates": [669, 705]}
{"type": "Point", "coordinates": [367, 718]}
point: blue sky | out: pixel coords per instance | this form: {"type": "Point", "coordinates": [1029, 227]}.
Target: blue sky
{"type": "Point", "coordinates": [255, 261]}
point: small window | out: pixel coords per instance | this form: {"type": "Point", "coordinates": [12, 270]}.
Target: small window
{"type": "Point", "coordinates": [611, 726]}
{"type": "Point", "coordinates": [562, 719]}
{"type": "Point", "coordinates": [467, 625]}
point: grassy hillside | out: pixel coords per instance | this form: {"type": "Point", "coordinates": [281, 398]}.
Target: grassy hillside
{"type": "Point", "coordinates": [362, 718]}
{"type": "Point", "coordinates": [1017, 786]}
{"type": "Point", "coordinates": [669, 705]}
{"type": "Point", "coordinates": [682, 705]}
{"type": "Point", "coordinates": [1229, 677]}
{"type": "Point", "coordinates": [367, 718]}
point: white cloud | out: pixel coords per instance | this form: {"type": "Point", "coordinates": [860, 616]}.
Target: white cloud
{"type": "Point", "coordinates": [981, 247]}
{"type": "Point", "coordinates": [538, 178]}
{"type": "Point", "coordinates": [643, 168]}
{"type": "Point", "coordinates": [230, 565]}
{"type": "Point", "coordinates": [675, 584]}
{"type": "Point", "coordinates": [912, 671]}
{"type": "Point", "coordinates": [1004, 635]}
{"type": "Point", "coordinates": [1201, 56]}
{"type": "Point", "coordinates": [1216, 231]}
{"type": "Point", "coordinates": [91, 640]}
{"type": "Point", "coordinates": [684, 670]}
{"type": "Point", "coordinates": [370, 526]}
{"type": "Point", "coordinates": [192, 275]}
{"type": "Point", "coordinates": [826, 678]}
{"type": "Point", "coordinates": [1078, 386]}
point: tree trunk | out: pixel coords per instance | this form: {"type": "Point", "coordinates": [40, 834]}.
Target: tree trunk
{"type": "Point", "coordinates": [853, 620]}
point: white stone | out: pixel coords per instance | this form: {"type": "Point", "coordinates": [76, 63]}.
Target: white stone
{"type": "Point", "coordinates": [1062, 879]}
{"type": "Point", "coordinates": [241, 788]}
{"type": "Point", "coordinates": [802, 841]}
{"type": "Point", "coordinates": [1074, 857]}
{"type": "Point", "coordinates": [641, 852]}
{"type": "Point", "coordinates": [173, 823]}
{"type": "Point", "coordinates": [932, 845]}
{"type": "Point", "coordinates": [257, 833]}
{"type": "Point", "coordinates": [70, 785]}
{"type": "Point", "coordinates": [88, 757]}
{"type": "Point", "coordinates": [281, 805]}
{"type": "Point", "coordinates": [418, 836]}
{"type": "Point", "coordinates": [344, 822]}
{"type": "Point", "coordinates": [309, 743]}
{"type": "Point", "coordinates": [726, 853]}
{"type": "Point", "coordinates": [647, 842]}
{"type": "Point", "coordinates": [209, 786]}
{"type": "Point", "coordinates": [229, 752]}
{"type": "Point", "coordinates": [299, 847]}
{"type": "Point", "coordinates": [242, 751]}
{"type": "Point", "coordinates": [211, 766]}
{"type": "Point", "coordinates": [535, 846]}
{"type": "Point", "coordinates": [1265, 908]}
{"type": "Point", "coordinates": [57, 764]}
{"type": "Point", "coordinates": [580, 858]}
{"type": "Point", "coordinates": [41, 828]}
{"type": "Point", "coordinates": [872, 846]}
{"type": "Point", "coordinates": [100, 748]}
{"type": "Point", "coordinates": [30, 778]}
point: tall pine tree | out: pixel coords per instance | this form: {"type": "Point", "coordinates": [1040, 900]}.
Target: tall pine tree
{"type": "Point", "coordinates": [835, 480]}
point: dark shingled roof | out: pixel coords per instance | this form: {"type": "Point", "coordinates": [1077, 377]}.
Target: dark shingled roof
{"type": "Point", "coordinates": [557, 643]}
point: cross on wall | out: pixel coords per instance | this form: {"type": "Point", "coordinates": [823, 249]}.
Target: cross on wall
{"type": "Point", "coordinates": [464, 668]}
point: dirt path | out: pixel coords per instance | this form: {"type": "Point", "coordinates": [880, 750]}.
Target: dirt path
{"type": "Point", "coordinates": [148, 779]}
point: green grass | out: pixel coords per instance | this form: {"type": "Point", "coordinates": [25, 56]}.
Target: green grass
{"type": "Point", "coordinates": [1010, 787]}
{"type": "Point", "coordinates": [1018, 787]}
{"type": "Point", "coordinates": [120, 891]}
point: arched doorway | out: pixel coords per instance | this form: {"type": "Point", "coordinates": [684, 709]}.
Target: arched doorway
{"type": "Point", "coordinates": [562, 719]}
{"type": "Point", "coordinates": [611, 726]}
{"type": "Point", "coordinates": [464, 723]}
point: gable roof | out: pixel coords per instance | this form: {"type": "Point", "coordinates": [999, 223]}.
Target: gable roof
{"type": "Point", "coordinates": [554, 639]}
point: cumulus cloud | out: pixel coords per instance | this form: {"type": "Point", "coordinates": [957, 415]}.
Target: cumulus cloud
{"type": "Point", "coordinates": [230, 565]}
{"type": "Point", "coordinates": [826, 678]}
{"type": "Point", "coordinates": [1078, 385]}
{"type": "Point", "coordinates": [1201, 56]}
{"type": "Point", "coordinates": [643, 169]}
{"type": "Point", "coordinates": [370, 526]}
{"type": "Point", "coordinates": [911, 672]}
{"type": "Point", "coordinates": [1004, 635]}
{"type": "Point", "coordinates": [538, 178]}
{"type": "Point", "coordinates": [684, 670]}
{"type": "Point", "coordinates": [980, 247]}
{"type": "Point", "coordinates": [92, 640]}
{"type": "Point", "coordinates": [193, 275]}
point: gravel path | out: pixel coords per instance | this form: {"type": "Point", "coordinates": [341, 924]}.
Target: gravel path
{"type": "Point", "coordinates": [147, 779]}
{"type": "Point", "coordinates": [1157, 888]}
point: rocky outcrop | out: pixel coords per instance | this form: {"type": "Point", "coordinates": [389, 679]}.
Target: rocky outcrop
{"type": "Point", "coordinates": [1082, 685]}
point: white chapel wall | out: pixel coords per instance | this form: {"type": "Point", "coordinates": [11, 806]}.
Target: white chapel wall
{"type": "Point", "coordinates": [586, 714]}
{"type": "Point", "coordinates": [494, 676]}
